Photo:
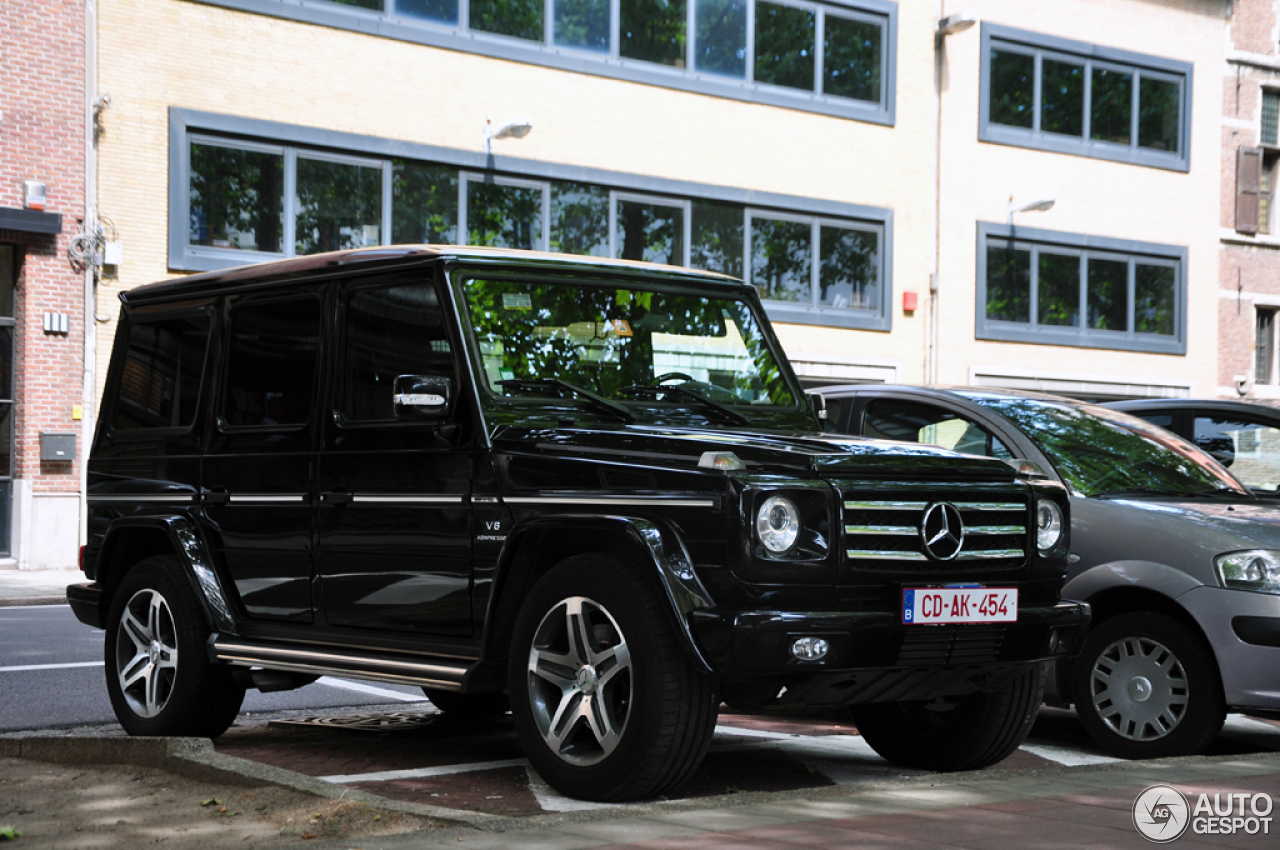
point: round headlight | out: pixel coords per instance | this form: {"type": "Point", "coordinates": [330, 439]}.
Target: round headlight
{"type": "Point", "coordinates": [1048, 525]}
{"type": "Point", "coordinates": [778, 524]}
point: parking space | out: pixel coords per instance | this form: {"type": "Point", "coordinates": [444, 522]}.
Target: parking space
{"type": "Point", "coordinates": [415, 754]}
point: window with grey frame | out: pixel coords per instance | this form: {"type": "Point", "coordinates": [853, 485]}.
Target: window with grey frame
{"type": "Point", "coordinates": [1256, 172]}
{"type": "Point", "coordinates": [1083, 292]}
{"type": "Point", "coordinates": [250, 201]}
{"type": "Point", "coordinates": [1264, 352]}
{"type": "Point", "coordinates": [8, 289]}
{"type": "Point", "coordinates": [833, 52]}
{"type": "Point", "coordinates": [1043, 92]}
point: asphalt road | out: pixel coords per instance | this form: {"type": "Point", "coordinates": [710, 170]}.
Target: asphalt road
{"type": "Point", "coordinates": [52, 676]}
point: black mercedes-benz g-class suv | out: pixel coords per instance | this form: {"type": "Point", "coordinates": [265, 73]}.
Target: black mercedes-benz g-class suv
{"type": "Point", "coordinates": [594, 489]}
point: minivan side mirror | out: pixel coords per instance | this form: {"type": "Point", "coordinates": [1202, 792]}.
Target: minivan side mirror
{"type": "Point", "coordinates": [422, 397]}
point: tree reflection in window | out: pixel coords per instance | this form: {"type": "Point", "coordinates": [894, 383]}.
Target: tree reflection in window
{"type": "Point", "coordinates": [650, 232]}
{"type": "Point", "coordinates": [849, 273]}
{"type": "Point", "coordinates": [339, 206]}
{"type": "Point", "coordinates": [782, 259]}
{"type": "Point", "coordinates": [580, 219]}
{"type": "Point", "coordinates": [1013, 82]}
{"type": "Point", "coordinates": [1112, 106]}
{"type": "Point", "coordinates": [1108, 294]}
{"type": "Point", "coordinates": [716, 245]}
{"type": "Point", "coordinates": [516, 18]}
{"type": "Point", "coordinates": [504, 216]}
{"type": "Point", "coordinates": [1059, 289]}
{"type": "Point", "coordinates": [1008, 284]}
{"type": "Point", "coordinates": [443, 11]}
{"type": "Point", "coordinates": [653, 30]}
{"type": "Point", "coordinates": [852, 58]}
{"type": "Point", "coordinates": [784, 45]}
{"type": "Point", "coordinates": [720, 41]}
{"type": "Point", "coordinates": [582, 23]}
{"type": "Point", "coordinates": [1153, 307]}
{"type": "Point", "coordinates": [1062, 98]}
{"type": "Point", "coordinates": [237, 198]}
{"type": "Point", "coordinates": [424, 203]}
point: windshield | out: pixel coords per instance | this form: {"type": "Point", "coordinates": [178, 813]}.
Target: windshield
{"type": "Point", "coordinates": [628, 354]}
{"type": "Point", "coordinates": [1101, 452]}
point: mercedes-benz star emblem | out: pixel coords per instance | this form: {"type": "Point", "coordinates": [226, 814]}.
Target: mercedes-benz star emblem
{"type": "Point", "coordinates": [942, 531]}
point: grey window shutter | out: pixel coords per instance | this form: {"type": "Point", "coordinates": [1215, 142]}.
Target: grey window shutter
{"type": "Point", "coordinates": [1248, 186]}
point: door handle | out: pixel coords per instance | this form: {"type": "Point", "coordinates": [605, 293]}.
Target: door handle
{"type": "Point", "coordinates": [216, 496]}
{"type": "Point", "coordinates": [336, 497]}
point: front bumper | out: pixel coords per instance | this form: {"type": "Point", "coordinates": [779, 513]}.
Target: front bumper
{"type": "Point", "coordinates": [874, 657]}
{"type": "Point", "coordinates": [85, 600]}
{"type": "Point", "coordinates": [1243, 629]}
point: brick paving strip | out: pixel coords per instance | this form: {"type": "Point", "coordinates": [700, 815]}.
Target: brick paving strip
{"type": "Point", "coordinates": [1088, 806]}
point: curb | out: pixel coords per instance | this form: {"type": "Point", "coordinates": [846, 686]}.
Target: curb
{"type": "Point", "coordinates": [195, 758]}
{"type": "Point", "coordinates": [16, 601]}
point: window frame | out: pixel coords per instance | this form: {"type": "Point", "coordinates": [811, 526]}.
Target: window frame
{"type": "Point", "coordinates": [185, 124]}
{"type": "Point", "coordinates": [544, 215]}
{"type": "Point", "coordinates": [292, 156]}
{"type": "Point", "coordinates": [611, 64]}
{"type": "Point", "coordinates": [1085, 247]}
{"type": "Point", "coordinates": [1091, 56]}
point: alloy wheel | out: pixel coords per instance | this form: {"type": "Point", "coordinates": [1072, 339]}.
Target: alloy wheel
{"type": "Point", "coordinates": [580, 680]}
{"type": "Point", "coordinates": [146, 653]}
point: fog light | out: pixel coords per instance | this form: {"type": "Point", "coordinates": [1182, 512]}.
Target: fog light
{"type": "Point", "coordinates": [810, 649]}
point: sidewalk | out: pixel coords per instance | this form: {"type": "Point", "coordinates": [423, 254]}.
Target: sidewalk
{"type": "Point", "coordinates": [36, 587]}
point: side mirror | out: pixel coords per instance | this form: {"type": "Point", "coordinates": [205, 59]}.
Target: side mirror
{"type": "Point", "coordinates": [423, 397]}
{"type": "Point", "coordinates": [818, 402]}
{"type": "Point", "coordinates": [1224, 457]}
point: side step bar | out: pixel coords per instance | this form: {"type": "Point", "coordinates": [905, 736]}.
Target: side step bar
{"type": "Point", "coordinates": [445, 675]}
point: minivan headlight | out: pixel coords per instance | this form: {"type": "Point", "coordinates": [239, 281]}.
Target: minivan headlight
{"type": "Point", "coordinates": [1253, 569]}
{"type": "Point", "coordinates": [778, 524]}
{"type": "Point", "coordinates": [1048, 525]}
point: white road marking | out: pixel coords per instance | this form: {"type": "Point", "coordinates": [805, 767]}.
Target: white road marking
{"type": "Point", "coordinates": [1066, 755]}
{"type": "Point", "coordinates": [371, 690]}
{"type": "Point", "coordinates": [24, 667]}
{"type": "Point", "coordinates": [422, 772]}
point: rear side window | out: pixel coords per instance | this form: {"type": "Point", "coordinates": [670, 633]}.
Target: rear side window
{"type": "Point", "coordinates": [272, 363]}
{"type": "Point", "coordinates": [160, 378]}
{"type": "Point", "coordinates": [390, 331]}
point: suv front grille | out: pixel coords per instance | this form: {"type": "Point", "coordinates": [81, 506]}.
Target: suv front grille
{"type": "Point", "coordinates": [885, 534]}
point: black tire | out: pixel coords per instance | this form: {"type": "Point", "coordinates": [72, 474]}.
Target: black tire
{"type": "Point", "coordinates": [638, 681]}
{"type": "Point", "coordinates": [1169, 702]}
{"type": "Point", "coordinates": [173, 688]}
{"type": "Point", "coordinates": [468, 706]}
{"type": "Point", "coordinates": [956, 733]}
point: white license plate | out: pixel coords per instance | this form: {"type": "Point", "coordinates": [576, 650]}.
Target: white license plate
{"type": "Point", "coordinates": [924, 605]}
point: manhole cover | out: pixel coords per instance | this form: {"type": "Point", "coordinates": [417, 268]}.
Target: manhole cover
{"type": "Point", "coordinates": [388, 722]}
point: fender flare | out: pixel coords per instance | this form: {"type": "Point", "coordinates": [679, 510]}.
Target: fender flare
{"type": "Point", "coordinates": [665, 551]}
{"type": "Point", "coordinates": [1144, 575]}
{"type": "Point", "coordinates": [187, 544]}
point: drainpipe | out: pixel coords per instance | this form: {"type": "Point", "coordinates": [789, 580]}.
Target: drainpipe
{"type": "Point", "coordinates": [88, 391]}
{"type": "Point", "coordinates": [931, 344]}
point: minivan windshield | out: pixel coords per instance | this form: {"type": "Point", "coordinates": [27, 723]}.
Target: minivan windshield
{"type": "Point", "coordinates": [626, 353]}
{"type": "Point", "coordinates": [1105, 453]}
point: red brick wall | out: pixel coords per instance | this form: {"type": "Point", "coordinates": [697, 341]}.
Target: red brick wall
{"type": "Point", "coordinates": [42, 138]}
{"type": "Point", "coordinates": [1253, 26]}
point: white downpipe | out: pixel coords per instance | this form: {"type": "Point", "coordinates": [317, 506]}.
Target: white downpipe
{"type": "Point", "coordinates": [88, 391]}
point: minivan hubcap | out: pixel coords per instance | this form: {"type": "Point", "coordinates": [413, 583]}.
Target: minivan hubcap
{"type": "Point", "coordinates": [146, 653]}
{"type": "Point", "coordinates": [580, 681]}
{"type": "Point", "coordinates": [1139, 689]}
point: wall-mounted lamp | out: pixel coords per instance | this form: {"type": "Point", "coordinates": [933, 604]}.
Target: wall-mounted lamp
{"type": "Point", "coordinates": [516, 128]}
{"type": "Point", "coordinates": [952, 24]}
{"type": "Point", "coordinates": [1037, 205]}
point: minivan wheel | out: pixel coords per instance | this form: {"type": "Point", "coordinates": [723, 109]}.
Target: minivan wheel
{"type": "Point", "coordinates": [468, 706]}
{"type": "Point", "coordinates": [1146, 687]}
{"type": "Point", "coordinates": [159, 676]}
{"type": "Point", "coordinates": [607, 703]}
{"type": "Point", "coordinates": [954, 733]}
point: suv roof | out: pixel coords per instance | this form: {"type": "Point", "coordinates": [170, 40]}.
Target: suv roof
{"type": "Point", "coordinates": [367, 259]}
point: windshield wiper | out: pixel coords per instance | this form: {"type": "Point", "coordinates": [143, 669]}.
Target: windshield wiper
{"type": "Point", "coordinates": [727, 412]}
{"type": "Point", "coordinates": [599, 403]}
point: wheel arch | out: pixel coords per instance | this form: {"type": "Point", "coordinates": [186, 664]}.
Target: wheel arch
{"type": "Point", "coordinates": [537, 545]}
{"type": "Point", "coordinates": [131, 540]}
{"type": "Point", "coordinates": [1127, 587]}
